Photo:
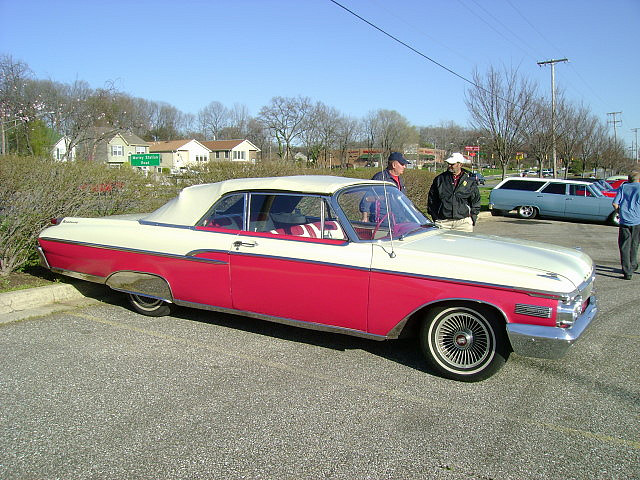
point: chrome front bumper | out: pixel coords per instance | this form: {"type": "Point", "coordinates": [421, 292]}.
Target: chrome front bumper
{"type": "Point", "coordinates": [549, 342]}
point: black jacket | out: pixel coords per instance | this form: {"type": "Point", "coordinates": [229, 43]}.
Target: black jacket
{"type": "Point", "coordinates": [449, 202]}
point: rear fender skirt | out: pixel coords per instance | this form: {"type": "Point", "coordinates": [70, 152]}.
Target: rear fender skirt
{"type": "Point", "coordinates": [140, 283]}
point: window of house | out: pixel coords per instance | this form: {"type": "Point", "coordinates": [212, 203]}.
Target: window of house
{"type": "Point", "coordinates": [141, 150]}
{"type": "Point", "coordinates": [217, 154]}
{"type": "Point", "coordinates": [226, 154]}
{"type": "Point", "coordinates": [238, 155]}
{"type": "Point", "coordinates": [117, 150]}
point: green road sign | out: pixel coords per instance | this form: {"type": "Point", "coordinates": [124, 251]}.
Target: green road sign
{"type": "Point", "coordinates": [145, 159]}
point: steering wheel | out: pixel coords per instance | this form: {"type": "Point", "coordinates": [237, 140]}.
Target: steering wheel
{"type": "Point", "coordinates": [375, 230]}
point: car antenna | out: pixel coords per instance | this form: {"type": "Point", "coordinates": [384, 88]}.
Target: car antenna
{"type": "Point", "coordinates": [392, 253]}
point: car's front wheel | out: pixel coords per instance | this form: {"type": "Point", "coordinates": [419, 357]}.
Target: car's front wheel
{"type": "Point", "coordinates": [463, 343]}
{"type": "Point", "coordinates": [527, 211]}
{"type": "Point", "coordinates": [151, 307]}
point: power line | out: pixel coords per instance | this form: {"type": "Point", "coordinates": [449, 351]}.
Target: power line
{"type": "Point", "coordinates": [405, 44]}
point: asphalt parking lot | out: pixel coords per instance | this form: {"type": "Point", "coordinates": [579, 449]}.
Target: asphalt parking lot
{"type": "Point", "coordinates": [100, 392]}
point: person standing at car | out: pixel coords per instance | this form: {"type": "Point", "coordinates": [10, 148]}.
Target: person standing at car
{"type": "Point", "coordinates": [454, 198]}
{"type": "Point", "coordinates": [396, 165]}
{"type": "Point", "coordinates": [627, 203]}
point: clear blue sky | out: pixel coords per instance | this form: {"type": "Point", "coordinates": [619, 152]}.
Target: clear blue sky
{"type": "Point", "coordinates": [191, 52]}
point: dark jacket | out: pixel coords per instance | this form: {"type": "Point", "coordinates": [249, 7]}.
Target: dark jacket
{"type": "Point", "coordinates": [450, 202]}
{"type": "Point", "coordinates": [385, 175]}
{"type": "Point", "coordinates": [374, 208]}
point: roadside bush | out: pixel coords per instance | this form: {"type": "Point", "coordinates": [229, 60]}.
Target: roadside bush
{"type": "Point", "coordinates": [33, 190]}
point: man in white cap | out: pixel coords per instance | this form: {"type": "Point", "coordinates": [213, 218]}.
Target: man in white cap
{"type": "Point", "coordinates": [454, 198]}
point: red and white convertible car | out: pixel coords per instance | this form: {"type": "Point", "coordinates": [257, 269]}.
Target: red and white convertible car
{"type": "Point", "coordinates": [339, 254]}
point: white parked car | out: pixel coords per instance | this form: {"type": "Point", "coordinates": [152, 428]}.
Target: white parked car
{"type": "Point", "coordinates": [301, 251]}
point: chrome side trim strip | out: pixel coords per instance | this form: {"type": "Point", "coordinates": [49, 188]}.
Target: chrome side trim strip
{"type": "Point", "coordinates": [189, 255]}
{"type": "Point", "coordinates": [79, 275]}
{"type": "Point", "coordinates": [169, 225]}
{"type": "Point", "coordinates": [285, 321]}
{"type": "Point", "coordinates": [302, 260]}
{"type": "Point", "coordinates": [534, 293]}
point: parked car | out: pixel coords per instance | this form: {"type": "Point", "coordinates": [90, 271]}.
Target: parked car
{"type": "Point", "coordinates": [479, 178]}
{"type": "Point", "coordinates": [296, 250]}
{"type": "Point", "coordinates": [606, 189]}
{"type": "Point", "coordinates": [569, 199]}
{"type": "Point", "coordinates": [617, 183]}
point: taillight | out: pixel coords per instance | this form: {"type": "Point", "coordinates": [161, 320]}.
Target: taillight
{"type": "Point", "coordinates": [56, 221]}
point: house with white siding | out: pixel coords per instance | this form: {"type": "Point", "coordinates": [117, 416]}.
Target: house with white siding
{"type": "Point", "coordinates": [60, 150]}
{"type": "Point", "coordinates": [179, 155]}
{"type": "Point", "coordinates": [238, 150]}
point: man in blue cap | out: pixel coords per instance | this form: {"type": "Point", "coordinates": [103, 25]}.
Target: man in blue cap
{"type": "Point", "coordinates": [396, 165]}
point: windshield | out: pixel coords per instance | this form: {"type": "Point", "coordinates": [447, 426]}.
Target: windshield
{"type": "Point", "coordinates": [378, 212]}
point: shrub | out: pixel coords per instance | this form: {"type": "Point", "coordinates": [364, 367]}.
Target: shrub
{"type": "Point", "coordinates": [33, 191]}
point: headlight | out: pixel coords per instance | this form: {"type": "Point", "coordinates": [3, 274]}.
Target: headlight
{"type": "Point", "coordinates": [568, 311]}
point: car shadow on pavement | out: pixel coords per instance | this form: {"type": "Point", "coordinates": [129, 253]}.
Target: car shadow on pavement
{"type": "Point", "coordinates": [404, 351]}
{"type": "Point", "coordinates": [608, 271]}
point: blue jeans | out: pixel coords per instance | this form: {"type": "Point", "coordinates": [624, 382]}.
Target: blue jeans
{"type": "Point", "coordinates": [628, 237]}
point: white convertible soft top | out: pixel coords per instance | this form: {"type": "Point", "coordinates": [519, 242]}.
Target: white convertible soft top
{"type": "Point", "coordinates": [193, 202]}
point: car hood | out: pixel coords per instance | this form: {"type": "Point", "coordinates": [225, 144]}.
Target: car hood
{"type": "Point", "coordinates": [495, 260]}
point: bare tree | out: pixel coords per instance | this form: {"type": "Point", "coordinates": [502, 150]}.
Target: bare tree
{"type": "Point", "coordinates": [537, 132]}
{"type": "Point", "coordinates": [347, 131]}
{"type": "Point", "coordinates": [212, 119]}
{"type": "Point", "coordinates": [499, 103]}
{"type": "Point", "coordinates": [258, 134]}
{"type": "Point", "coordinates": [394, 131]}
{"type": "Point", "coordinates": [286, 120]}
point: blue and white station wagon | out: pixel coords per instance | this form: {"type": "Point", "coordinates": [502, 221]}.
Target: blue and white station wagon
{"type": "Point", "coordinates": [552, 197]}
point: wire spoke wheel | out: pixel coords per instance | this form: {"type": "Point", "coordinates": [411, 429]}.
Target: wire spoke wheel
{"type": "Point", "coordinates": [463, 340]}
{"type": "Point", "coordinates": [463, 343]}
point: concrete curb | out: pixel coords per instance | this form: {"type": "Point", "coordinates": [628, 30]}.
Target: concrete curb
{"type": "Point", "coordinates": [30, 302]}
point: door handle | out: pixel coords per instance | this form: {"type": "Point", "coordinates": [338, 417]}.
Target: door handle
{"type": "Point", "coordinates": [239, 243]}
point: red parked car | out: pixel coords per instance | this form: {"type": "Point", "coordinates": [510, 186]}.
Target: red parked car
{"type": "Point", "coordinates": [616, 184]}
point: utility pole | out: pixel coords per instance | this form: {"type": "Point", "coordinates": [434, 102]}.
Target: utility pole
{"type": "Point", "coordinates": [615, 122]}
{"type": "Point", "coordinates": [635, 130]}
{"type": "Point", "coordinates": [553, 108]}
